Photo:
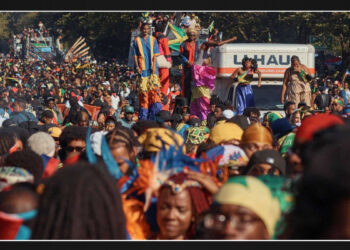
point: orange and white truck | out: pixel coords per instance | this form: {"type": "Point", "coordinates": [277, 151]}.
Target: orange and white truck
{"type": "Point", "coordinates": [273, 59]}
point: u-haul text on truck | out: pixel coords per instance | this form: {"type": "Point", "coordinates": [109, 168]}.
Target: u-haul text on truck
{"type": "Point", "coordinates": [272, 59]}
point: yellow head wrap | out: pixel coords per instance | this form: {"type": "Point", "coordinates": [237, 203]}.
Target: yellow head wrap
{"type": "Point", "coordinates": [257, 133]}
{"type": "Point", "coordinates": [225, 132]}
{"type": "Point", "coordinates": [152, 139]}
{"type": "Point", "coordinates": [251, 193]}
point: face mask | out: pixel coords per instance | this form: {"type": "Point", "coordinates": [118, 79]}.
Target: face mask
{"type": "Point", "coordinates": [298, 124]}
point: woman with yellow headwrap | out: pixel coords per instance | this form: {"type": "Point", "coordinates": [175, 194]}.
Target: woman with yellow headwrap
{"type": "Point", "coordinates": [256, 138]}
{"type": "Point", "coordinates": [244, 208]}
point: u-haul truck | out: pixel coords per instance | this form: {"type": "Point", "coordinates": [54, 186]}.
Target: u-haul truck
{"type": "Point", "coordinates": [272, 59]}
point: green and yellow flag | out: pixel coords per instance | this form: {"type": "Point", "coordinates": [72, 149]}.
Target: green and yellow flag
{"type": "Point", "coordinates": [176, 36]}
{"type": "Point", "coordinates": [211, 26]}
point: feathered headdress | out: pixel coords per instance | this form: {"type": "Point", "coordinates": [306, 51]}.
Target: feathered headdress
{"type": "Point", "coordinates": [154, 172]}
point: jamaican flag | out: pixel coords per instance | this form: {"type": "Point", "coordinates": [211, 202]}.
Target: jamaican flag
{"type": "Point", "coordinates": [175, 37]}
{"type": "Point", "coordinates": [211, 26]}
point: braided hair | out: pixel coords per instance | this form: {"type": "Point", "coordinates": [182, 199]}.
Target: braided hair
{"type": "Point", "coordinates": [80, 202]}
{"type": "Point", "coordinates": [124, 136]}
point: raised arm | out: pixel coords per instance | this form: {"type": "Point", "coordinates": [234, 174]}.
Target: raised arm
{"type": "Point", "coordinates": [284, 85]}
{"type": "Point", "coordinates": [259, 78]}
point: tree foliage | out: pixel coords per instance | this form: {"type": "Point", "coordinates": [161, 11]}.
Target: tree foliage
{"type": "Point", "coordinates": [108, 33]}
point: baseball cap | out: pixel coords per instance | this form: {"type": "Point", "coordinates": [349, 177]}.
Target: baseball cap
{"type": "Point", "coordinates": [267, 156]}
{"type": "Point", "coordinates": [129, 109]}
{"type": "Point", "coordinates": [55, 132]}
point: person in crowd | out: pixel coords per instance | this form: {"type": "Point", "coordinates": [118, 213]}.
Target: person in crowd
{"type": "Point", "coordinates": [110, 123]}
{"type": "Point", "coordinates": [164, 54]}
{"type": "Point", "coordinates": [164, 119]}
{"type": "Point", "coordinates": [244, 92]}
{"type": "Point", "coordinates": [295, 118]}
{"type": "Point", "coordinates": [145, 52]}
{"type": "Point", "coordinates": [288, 108]}
{"type": "Point", "coordinates": [178, 208]}
{"type": "Point", "coordinates": [72, 142]}
{"type": "Point", "coordinates": [337, 107]}
{"type": "Point", "coordinates": [29, 160]}
{"type": "Point", "coordinates": [309, 220]}
{"type": "Point", "coordinates": [296, 83]}
{"type": "Point", "coordinates": [55, 133]}
{"type": "Point", "coordinates": [19, 114]}
{"type": "Point", "coordinates": [51, 105]}
{"type": "Point", "coordinates": [244, 208]}
{"type": "Point", "coordinates": [189, 51]}
{"type": "Point", "coordinates": [127, 121]}
{"type": "Point", "coordinates": [225, 133]}
{"type": "Point", "coordinates": [345, 93]}
{"type": "Point", "coordinates": [265, 162]}
{"type": "Point", "coordinates": [256, 138]}
{"type": "Point", "coordinates": [253, 114]}
{"type": "Point", "coordinates": [93, 216]}
{"type": "Point", "coordinates": [18, 205]}
{"type": "Point", "coordinates": [322, 100]}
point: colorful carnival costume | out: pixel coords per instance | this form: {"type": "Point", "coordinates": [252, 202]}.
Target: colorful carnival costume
{"type": "Point", "coordinates": [189, 51]}
{"type": "Point", "coordinates": [204, 83]}
{"type": "Point", "coordinates": [165, 51]}
{"type": "Point", "coordinates": [149, 89]}
{"type": "Point", "coordinates": [244, 92]}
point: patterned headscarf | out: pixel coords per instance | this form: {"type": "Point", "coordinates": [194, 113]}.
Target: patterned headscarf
{"type": "Point", "coordinates": [254, 194]}
{"type": "Point", "coordinates": [197, 135]}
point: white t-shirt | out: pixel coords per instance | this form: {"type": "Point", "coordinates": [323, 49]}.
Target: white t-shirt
{"type": "Point", "coordinates": [80, 102]}
{"type": "Point", "coordinates": [115, 101]}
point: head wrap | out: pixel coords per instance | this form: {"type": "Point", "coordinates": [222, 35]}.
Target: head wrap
{"type": "Point", "coordinates": [273, 116]}
{"type": "Point", "coordinates": [228, 155]}
{"type": "Point", "coordinates": [153, 138]}
{"type": "Point", "coordinates": [251, 193]}
{"type": "Point", "coordinates": [12, 175]}
{"type": "Point", "coordinates": [339, 102]}
{"type": "Point", "coordinates": [196, 135]}
{"type": "Point", "coordinates": [225, 132]}
{"type": "Point", "coordinates": [281, 127]}
{"type": "Point", "coordinates": [279, 190]}
{"type": "Point", "coordinates": [287, 143]}
{"type": "Point", "coordinates": [316, 123]}
{"type": "Point", "coordinates": [257, 133]}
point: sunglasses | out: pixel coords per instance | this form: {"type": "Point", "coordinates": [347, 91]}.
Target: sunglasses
{"type": "Point", "coordinates": [77, 149]}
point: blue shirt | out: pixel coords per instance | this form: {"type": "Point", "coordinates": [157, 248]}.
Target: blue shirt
{"type": "Point", "coordinates": [146, 46]}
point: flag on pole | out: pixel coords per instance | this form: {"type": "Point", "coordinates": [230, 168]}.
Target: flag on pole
{"type": "Point", "coordinates": [211, 26]}
{"type": "Point", "coordinates": [175, 37]}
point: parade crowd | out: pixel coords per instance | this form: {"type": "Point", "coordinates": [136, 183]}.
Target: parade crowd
{"type": "Point", "coordinates": [98, 150]}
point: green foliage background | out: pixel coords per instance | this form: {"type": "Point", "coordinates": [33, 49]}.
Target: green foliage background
{"type": "Point", "coordinates": [108, 33]}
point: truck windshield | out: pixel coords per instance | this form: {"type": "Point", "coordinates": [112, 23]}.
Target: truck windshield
{"type": "Point", "coordinates": [267, 97]}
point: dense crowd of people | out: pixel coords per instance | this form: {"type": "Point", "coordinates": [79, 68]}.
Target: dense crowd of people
{"type": "Point", "coordinates": [97, 150]}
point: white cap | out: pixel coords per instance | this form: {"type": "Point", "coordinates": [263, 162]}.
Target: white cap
{"type": "Point", "coordinates": [228, 114]}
